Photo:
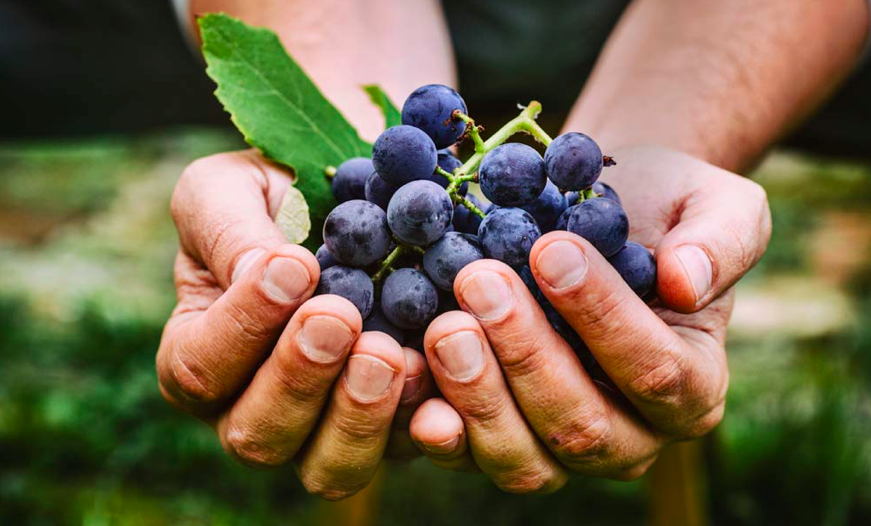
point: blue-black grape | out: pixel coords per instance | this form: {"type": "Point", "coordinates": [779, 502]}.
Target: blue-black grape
{"type": "Point", "coordinates": [602, 222]}
{"type": "Point", "coordinates": [466, 221]}
{"type": "Point", "coordinates": [507, 234]}
{"type": "Point", "coordinates": [448, 163]}
{"type": "Point", "coordinates": [604, 190]}
{"type": "Point", "coordinates": [431, 109]}
{"type": "Point", "coordinates": [408, 299]}
{"type": "Point", "coordinates": [637, 266]}
{"type": "Point", "coordinates": [573, 161]}
{"type": "Point", "coordinates": [379, 191]}
{"type": "Point", "coordinates": [356, 233]}
{"type": "Point", "coordinates": [350, 179]}
{"type": "Point", "coordinates": [325, 259]}
{"type": "Point", "coordinates": [378, 322]}
{"type": "Point", "coordinates": [547, 207]}
{"type": "Point", "coordinates": [350, 283]}
{"type": "Point", "coordinates": [512, 175]}
{"type": "Point", "coordinates": [563, 220]}
{"type": "Point", "coordinates": [402, 154]}
{"type": "Point", "coordinates": [447, 257]}
{"type": "Point", "coordinates": [419, 213]}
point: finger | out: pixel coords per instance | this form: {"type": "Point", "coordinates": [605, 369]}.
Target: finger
{"type": "Point", "coordinates": [270, 421]}
{"type": "Point", "coordinates": [207, 356]}
{"type": "Point", "coordinates": [419, 386]}
{"type": "Point", "coordinates": [438, 431]}
{"type": "Point", "coordinates": [678, 382]}
{"type": "Point", "coordinates": [349, 442]}
{"type": "Point", "coordinates": [569, 413]}
{"type": "Point", "coordinates": [221, 207]}
{"type": "Point", "coordinates": [721, 233]}
{"type": "Point", "coordinates": [468, 375]}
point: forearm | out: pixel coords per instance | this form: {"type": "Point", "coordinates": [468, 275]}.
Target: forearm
{"type": "Point", "coordinates": [344, 44]}
{"type": "Point", "coordinates": [718, 80]}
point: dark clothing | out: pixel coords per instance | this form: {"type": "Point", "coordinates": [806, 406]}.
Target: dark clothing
{"type": "Point", "coordinates": [74, 67]}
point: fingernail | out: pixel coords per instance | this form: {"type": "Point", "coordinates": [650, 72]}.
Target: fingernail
{"type": "Point", "coordinates": [368, 377]}
{"type": "Point", "coordinates": [487, 295]}
{"type": "Point", "coordinates": [324, 338]}
{"type": "Point", "coordinates": [561, 264]}
{"type": "Point", "coordinates": [444, 447]}
{"type": "Point", "coordinates": [245, 262]}
{"type": "Point", "coordinates": [410, 389]}
{"type": "Point", "coordinates": [697, 266]}
{"type": "Point", "coordinates": [286, 279]}
{"type": "Point", "coordinates": [461, 355]}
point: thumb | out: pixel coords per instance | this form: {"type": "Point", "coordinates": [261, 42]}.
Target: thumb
{"type": "Point", "coordinates": [721, 234]}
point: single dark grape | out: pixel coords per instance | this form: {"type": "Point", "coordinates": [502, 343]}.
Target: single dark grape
{"type": "Point", "coordinates": [573, 161]}
{"type": "Point", "coordinates": [431, 109]}
{"type": "Point", "coordinates": [350, 283]}
{"type": "Point", "coordinates": [447, 257]}
{"type": "Point", "coordinates": [448, 163]}
{"type": "Point", "coordinates": [379, 191]}
{"type": "Point", "coordinates": [507, 234]}
{"type": "Point", "coordinates": [602, 222]}
{"type": "Point", "coordinates": [402, 154]}
{"type": "Point", "coordinates": [325, 259]}
{"type": "Point", "coordinates": [563, 220]}
{"type": "Point", "coordinates": [350, 179]}
{"type": "Point", "coordinates": [465, 220]}
{"type": "Point", "coordinates": [637, 266]}
{"type": "Point", "coordinates": [604, 190]}
{"type": "Point", "coordinates": [408, 299]}
{"type": "Point", "coordinates": [419, 213]}
{"type": "Point", "coordinates": [378, 322]}
{"type": "Point", "coordinates": [547, 207]}
{"type": "Point", "coordinates": [512, 175]}
{"type": "Point", "coordinates": [356, 233]}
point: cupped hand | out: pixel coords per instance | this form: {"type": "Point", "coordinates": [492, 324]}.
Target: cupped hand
{"type": "Point", "coordinates": [280, 377]}
{"type": "Point", "coordinates": [519, 406]}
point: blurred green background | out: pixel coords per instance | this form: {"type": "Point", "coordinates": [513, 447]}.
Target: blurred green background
{"type": "Point", "coordinates": [86, 250]}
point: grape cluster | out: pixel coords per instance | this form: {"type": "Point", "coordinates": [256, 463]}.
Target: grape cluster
{"type": "Point", "coordinates": [405, 225]}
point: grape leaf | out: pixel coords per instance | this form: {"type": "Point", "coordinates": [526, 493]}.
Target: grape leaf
{"type": "Point", "coordinates": [392, 117]}
{"type": "Point", "coordinates": [293, 216]}
{"type": "Point", "coordinates": [278, 109]}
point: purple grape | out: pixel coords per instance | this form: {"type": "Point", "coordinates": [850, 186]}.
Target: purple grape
{"type": "Point", "coordinates": [601, 222]}
{"type": "Point", "coordinates": [512, 175]}
{"type": "Point", "coordinates": [573, 161]}
{"type": "Point", "coordinates": [431, 109]}
{"type": "Point", "coordinates": [402, 154]}
{"type": "Point", "coordinates": [350, 179]}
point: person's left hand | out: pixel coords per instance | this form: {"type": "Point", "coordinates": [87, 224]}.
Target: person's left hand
{"type": "Point", "coordinates": [518, 404]}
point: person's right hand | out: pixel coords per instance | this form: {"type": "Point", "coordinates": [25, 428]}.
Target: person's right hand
{"type": "Point", "coordinates": [279, 376]}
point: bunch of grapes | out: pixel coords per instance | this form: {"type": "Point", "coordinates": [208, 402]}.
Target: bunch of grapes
{"type": "Point", "coordinates": [406, 225]}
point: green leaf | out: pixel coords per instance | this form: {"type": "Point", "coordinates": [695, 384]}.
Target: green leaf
{"type": "Point", "coordinates": [392, 117]}
{"type": "Point", "coordinates": [278, 108]}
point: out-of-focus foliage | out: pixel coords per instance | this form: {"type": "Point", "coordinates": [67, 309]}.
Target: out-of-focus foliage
{"type": "Point", "coordinates": [86, 250]}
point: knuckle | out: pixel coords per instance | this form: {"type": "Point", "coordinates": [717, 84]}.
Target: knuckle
{"type": "Point", "coordinates": [590, 441]}
{"type": "Point", "coordinates": [319, 486]}
{"type": "Point", "coordinates": [663, 383]}
{"type": "Point", "coordinates": [248, 327]}
{"type": "Point", "coordinates": [249, 449]}
{"type": "Point", "coordinates": [529, 482]}
{"type": "Point", "coordinates": [192, 382]}
{"type": "Point", "coordinates": [704, 424]}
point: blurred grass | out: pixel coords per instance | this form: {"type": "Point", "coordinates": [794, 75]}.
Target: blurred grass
{"type": "Point", "coordinates": [86, 250]}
